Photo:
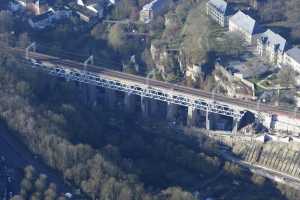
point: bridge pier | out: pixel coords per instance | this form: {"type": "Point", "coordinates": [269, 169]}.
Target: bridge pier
{"type": "Point", "coordinates": [207, 121]}
{"type": "Point", "coordinates": [235, 125]}
{"type": "Point", "coordinates": [154, 107]}
{"type": "Point", "coordinates": [129, 102]}
{"type": "Point", "coordinates": [110, 97]}
{"type": "Point", "coordinates": [145, 106]}
{"type": "Point", "coordinates": [89, 94]}
{"type": "Point", "coordinates": [92, 94]}
{"type": "Point", "coordinates": [122, 82]}
{"type": "Point", "coordinates": [150, 107]}
{"type": "Point", "coordinates": [171, 111]}
{"type": "Point", "coordinates": [192, 116]}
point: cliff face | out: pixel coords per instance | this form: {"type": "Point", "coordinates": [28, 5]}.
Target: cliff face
{"type": "Point", "coordinates": [160, 57]}
{"type": "Point", "coordinates": [193, 71]}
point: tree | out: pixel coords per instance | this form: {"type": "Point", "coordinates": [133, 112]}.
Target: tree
{"type": "Point", "coordinates": [6, 21]}
{"type": "Point", "coordinates": [117, 37]}
{"type": "Point", "coordinates": [124, 9]}
{"type": "Point", "coordinates": [258, 180]}
{"type": "Point", "coordinates": [287, 76]}
{"type": "Point", "coordinates": [36, 196]}
{"type": "Point", "coordinates": [60, 3]}
{"type": "Point", "coordinates": [230, 44]}
{"type": "Point", "coordinates": [126, 193]}
{"type": "Point", "coordinates": [50, 193]}
{"type": "Point", "coordinates": [40, 183]}
{"type": "Point", "coordinates": [61, 198]}
{"type": "Point", "coordinates": [26, 185]}
{"type": "Point", "coordinates": [176, 193]}
{"type": "Point", "coordinates": [233, 168]}
{"type": "Point", "coordinates": [195, 40]}
{"type": "Point", "coordinates": [24, 40]}
{"type": "Point", "coordinates": [182, 10]}
{"type": "Point", "coordinates": [17, 197]}
{"type": "Point", "coordinates": [6, 39]}
{"type": "Point", "coordinates": [98, 31]}
{"type": "Point", "coordinates": [29, 172]}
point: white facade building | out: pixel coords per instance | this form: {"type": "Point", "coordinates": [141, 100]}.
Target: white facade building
{"type": "Point", "coordinates": [272, 46]}
{"type": "Point", "coordinates": [292, 58]}
{"type": "Point", "coordinates": [245, 25]}
{"type": "Point", "coordinates": [153, 9]}
{"type": "Point", "coordinates": [219, 11]}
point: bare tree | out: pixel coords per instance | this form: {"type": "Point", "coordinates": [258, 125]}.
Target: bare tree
{"type": "Point", "coordinates": [287, 76]}
{"type": "Point", "coordinates": [116, 37]}
{"type": "Point", "coordinates": [6, 21]}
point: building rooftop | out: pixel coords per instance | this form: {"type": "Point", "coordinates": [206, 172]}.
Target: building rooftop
{"type": "Point", "coordinates": [42, 16]}
{"type": "Point", "coordinates": [245, 22]}
{"type": "Point", "coordinates": [83, 10]}
{"type": "Point", "coordinates": [90, 2]}
{"type": "Point", "coordinates": [41, 1]}
{"type": "Point", "coordinates": [294, 53]}
{"type": "Point", "coordinates": [25, 1]}
{"type": "Point", "coordinates": [274, 39]}
{"type": "Point", "coordinates": [221, 5]}
{"type": "Point", "coordinates": [155, 4]}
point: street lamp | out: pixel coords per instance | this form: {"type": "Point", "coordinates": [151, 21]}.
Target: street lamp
{"type": "Point", "coordinates": [87, 61]}
{"type": "Point", "coordinates": [31, 46]}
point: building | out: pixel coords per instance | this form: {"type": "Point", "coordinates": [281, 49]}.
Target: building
{"type": "Point", "coordinates": [245, 25]}
{"type": "Point", "coordinates": [40, 7]}
{"type": "Point", "coordinates": [16, 6]}
{"type": "Point", "coordinates": [48, 19]}
{"type": "Point", "coordinates": [95, 6]}
{"type": "Point", "coordinates": [256, 4]}
{"type": "Point", "coordinates": [41, 21]}
{"type": "Point", "coordinates": [37, 7]}
{"type": "Point", "coordinates": [219, 11]}
{"type": "Point", "coordinates": [272, 46]}
{"type": "Point", "coordinates": [83, 13]}
{"type": "Point", "coordinates": [153, 9]}
{"type": "Point", "coordinates": [292, 58]}
{"type": "Point", "coordinates": [89, 10]}
{"type": "Point", "coordinates": [25, 3]}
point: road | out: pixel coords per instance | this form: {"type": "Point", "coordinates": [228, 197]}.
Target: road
{"type": "Point", "coordinates": [244, 104]}
{"type": "Point", "coordinates": [17, 156]}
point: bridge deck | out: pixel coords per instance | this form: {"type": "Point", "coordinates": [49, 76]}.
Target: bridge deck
{"type": "Point", "coordinates": [232, 103]}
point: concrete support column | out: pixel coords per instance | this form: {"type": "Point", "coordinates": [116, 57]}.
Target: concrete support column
{"type": "Point", "coordinates": [207, 121]}
{"type": "Point", "coordinates": [154, 107]}
{"type": "Point", "coordinates": [83, 92]}
{"type": "Point", "coordinates": [192, 116]}
{"type": "Point", "coordinates": [129, 102]}
{"type": "Point", "coordinates": [110, 97]}
{"type": "Point", "coordinates": [92, 94]}
{"type": "Point", "coordinates": [88, 94]}
{"type": "Point", "coordinates": [235, 126]}
{"type": "Point", "coordinates": [145, 106]}
{"type": "Point", "coordinates": [171, 111]}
